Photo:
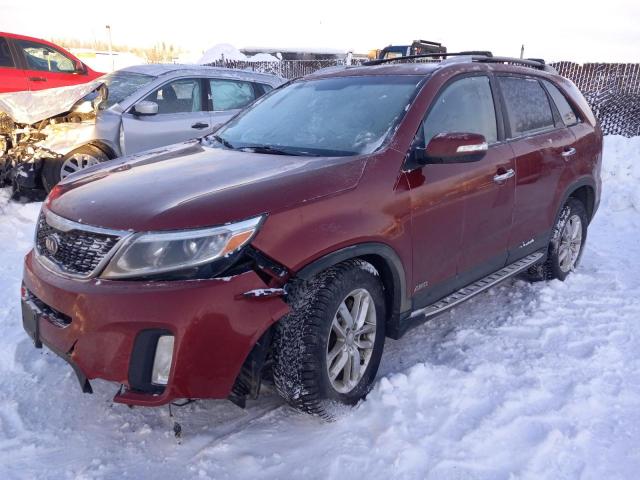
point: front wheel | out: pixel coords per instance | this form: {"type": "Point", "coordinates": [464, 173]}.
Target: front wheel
{"type": "Point", "coordinates": [58, 169]}
{"type": "Point", "coordinates": [328, 348]}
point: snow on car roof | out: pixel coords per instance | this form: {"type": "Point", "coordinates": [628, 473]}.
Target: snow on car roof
{"type": "Point", "coordinates": [158, 69]}
{"type": "Point", "coordinates": [384, 69]}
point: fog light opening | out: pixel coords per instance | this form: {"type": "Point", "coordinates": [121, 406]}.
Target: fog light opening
{"type": "Point", "coordinates": [162, 360]}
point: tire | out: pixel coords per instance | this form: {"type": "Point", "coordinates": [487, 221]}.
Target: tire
{"type": "Point", "coordinates": [568, 238]}
{"type": "Point", "coordinates": [306, 337]}
{"type": "Point", "coordinates": [55, 169]}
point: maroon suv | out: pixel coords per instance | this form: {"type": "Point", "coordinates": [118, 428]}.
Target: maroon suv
{"type": "Point", "coordinates": [342, 208]}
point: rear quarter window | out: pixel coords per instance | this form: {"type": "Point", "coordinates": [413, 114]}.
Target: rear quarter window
{"type": "Point", "coordinates": [262, 88]}
{"type": "Point", "coordinates": [527, 105]}
{"type": "Point", "coordinates": [569, 117]}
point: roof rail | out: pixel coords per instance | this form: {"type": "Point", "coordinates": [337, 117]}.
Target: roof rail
{"type": "Point", "coordinates": [537, 63]}
{"type": "Point", "coordinates": [474, 56]}
{"type": "Point", "coordinates": [427, 55]}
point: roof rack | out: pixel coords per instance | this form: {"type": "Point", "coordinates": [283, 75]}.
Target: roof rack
{"type": "Point", "coordinates": [428, 55]}
{"type": "Point", "coordinates": [537, 63]}
{"type": "Point", "coordinates": [473, 56]}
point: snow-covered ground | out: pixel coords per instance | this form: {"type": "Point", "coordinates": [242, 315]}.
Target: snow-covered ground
{"type": "Point", "coordinates": [525, 381]}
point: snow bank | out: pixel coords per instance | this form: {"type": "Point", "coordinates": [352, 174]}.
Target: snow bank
{"type": "Point", "coordinates": [527, 381]}
{"type": "Point", "coordinates": [216, 53]}
{"type": "Point", "coordinates": [621, 171]}
{"type": "Point", "coordinates": [263, 57]}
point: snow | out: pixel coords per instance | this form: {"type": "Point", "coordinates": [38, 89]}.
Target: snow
{"type": "Point", "coordinates": [526, 381]}
{"type": "Point", "coordinates": [263, 57]}
{"type": "Point", "coordinates": [229, 52]}
{"type": "Point", "coordinates": [216, 53]}
{"type": "Point", "coordinates": [102, 61]}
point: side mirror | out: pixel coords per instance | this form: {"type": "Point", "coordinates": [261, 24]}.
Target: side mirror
{"type": "Point", "coordinates": [145, 108]}
{"type": "Point", "coordinates": [455, 148]}
{"type": "Point", "coordinates": [81, 68]}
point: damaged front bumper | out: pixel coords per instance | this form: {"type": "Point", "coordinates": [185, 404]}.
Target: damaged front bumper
{"type": "Point", "coordinates": [102, 329]}
{"type": "Point", "coordinates": [33, 312]}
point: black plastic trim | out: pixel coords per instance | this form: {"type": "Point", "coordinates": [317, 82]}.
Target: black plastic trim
{"type": "Point", "coordinates": [401, 302]}
{"type": "Point", "coordinates": [584, 182]}
{"type": "Point", "coordinates": [18, 57]}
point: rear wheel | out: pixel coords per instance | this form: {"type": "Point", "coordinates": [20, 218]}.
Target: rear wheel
{"type": "Point", "coordinates": [567, 243]}
{"type": "Point", "coordinates": [58, 169]}
{"type": "Point", "coordinates": [328, 348]}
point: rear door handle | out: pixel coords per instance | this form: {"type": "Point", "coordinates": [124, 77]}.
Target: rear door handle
{"type": "Point", "coordinates": [200, 125]}
{"type": "Point", "coordinates": [503, 177]}
{"type": "Point", "coordinates": [38, 79]}
{"type": "Point", "coordinates": [568, 152]}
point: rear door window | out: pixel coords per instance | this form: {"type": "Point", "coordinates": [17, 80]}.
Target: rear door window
{"type": "Point", "coordinates": [527, 105]}
{"type": "Point", "coordinates": [466, 106]}
{"type": "Point", "coordinates": [179, 96]}
{"type": "Point", "coordinates": [6, 61]}
{"type": "Point", "coordinates": [567, 113]}
{"type": "Point", "coordinates": [230, 94]}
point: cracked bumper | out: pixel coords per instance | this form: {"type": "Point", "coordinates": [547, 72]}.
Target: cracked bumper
{"type": "Point", "coordinates": [214, 327]}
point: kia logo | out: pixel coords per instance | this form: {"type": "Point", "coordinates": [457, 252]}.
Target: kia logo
{"type": "Point", "coordinates": [52, 244]}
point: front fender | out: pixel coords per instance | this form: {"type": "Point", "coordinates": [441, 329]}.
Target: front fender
{"type": "Point", "coordinates": [63, 138]}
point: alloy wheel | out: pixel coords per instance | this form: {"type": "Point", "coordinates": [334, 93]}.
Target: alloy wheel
{"type": "Point", "coordinates": [351, 340]}
{"type": "Point", "coordinates": [570, 243]}
{"type": "Point", "coordinates": [77, 162]}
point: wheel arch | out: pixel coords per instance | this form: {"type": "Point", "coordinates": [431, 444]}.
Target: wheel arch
{"type": "Point", "coordinates": [108, 150]}
{"type": "Point", "coordinates": [583, 190]}
{"type": "Point", "coordinates": [385, 260]}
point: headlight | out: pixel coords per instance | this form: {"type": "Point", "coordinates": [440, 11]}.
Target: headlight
{"type": "Point", "coordinates": [151, 253]}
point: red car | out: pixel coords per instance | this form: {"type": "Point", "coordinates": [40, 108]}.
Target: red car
{"type": "Point", "coordinates": [28, 63]}
{"type": "Point", "coordinates": [337, 210]}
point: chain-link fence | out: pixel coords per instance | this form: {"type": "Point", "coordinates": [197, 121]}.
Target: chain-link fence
{"type": "Point", "coordinates": [612, 89]}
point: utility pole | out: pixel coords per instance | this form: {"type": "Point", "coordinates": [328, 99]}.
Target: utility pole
{"type": "Point", "coordinates": [522, 51]}
{"type": "Point", "coordinates": [113, 66]}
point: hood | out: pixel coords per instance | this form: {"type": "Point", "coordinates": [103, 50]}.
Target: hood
{"type": "Point", "coordinates": [30, 107]}
{"type": "Point", "coordinates": [191, 185]}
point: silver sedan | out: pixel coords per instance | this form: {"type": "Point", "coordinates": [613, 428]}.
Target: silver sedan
{"type": "Point", "coordinates": [147, 106]}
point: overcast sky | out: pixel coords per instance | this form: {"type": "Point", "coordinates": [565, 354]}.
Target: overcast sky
{"type": "Point", "coordinates": [552, 29]}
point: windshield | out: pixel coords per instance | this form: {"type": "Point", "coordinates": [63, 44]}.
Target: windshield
{"type": "Point", "coordinates": [328, 117]}
{"type": "Point", "coordinates": [123, 84]}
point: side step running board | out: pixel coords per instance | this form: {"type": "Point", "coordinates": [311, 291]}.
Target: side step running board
{"type": "Point", "coordinates": [479, 286]}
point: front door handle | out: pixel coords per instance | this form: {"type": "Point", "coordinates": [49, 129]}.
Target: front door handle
{"type": "Point", "coordinates": [200, 125]}
{"type": "Point", "coordinates": [38, 79]}
{"type": "Point", "coordinates": [568, 152]}
{"type": "Point", "coordinates": [500, 178]}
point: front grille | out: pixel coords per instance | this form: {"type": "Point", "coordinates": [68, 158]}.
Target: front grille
{"type": "Point", "coordinates": [78, 252]}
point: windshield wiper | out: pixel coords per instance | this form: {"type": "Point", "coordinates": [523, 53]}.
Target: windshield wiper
{"type": "Point", "coordinates": [224, 142]}
{"type": "Point", "coordinates": [270, 150]}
